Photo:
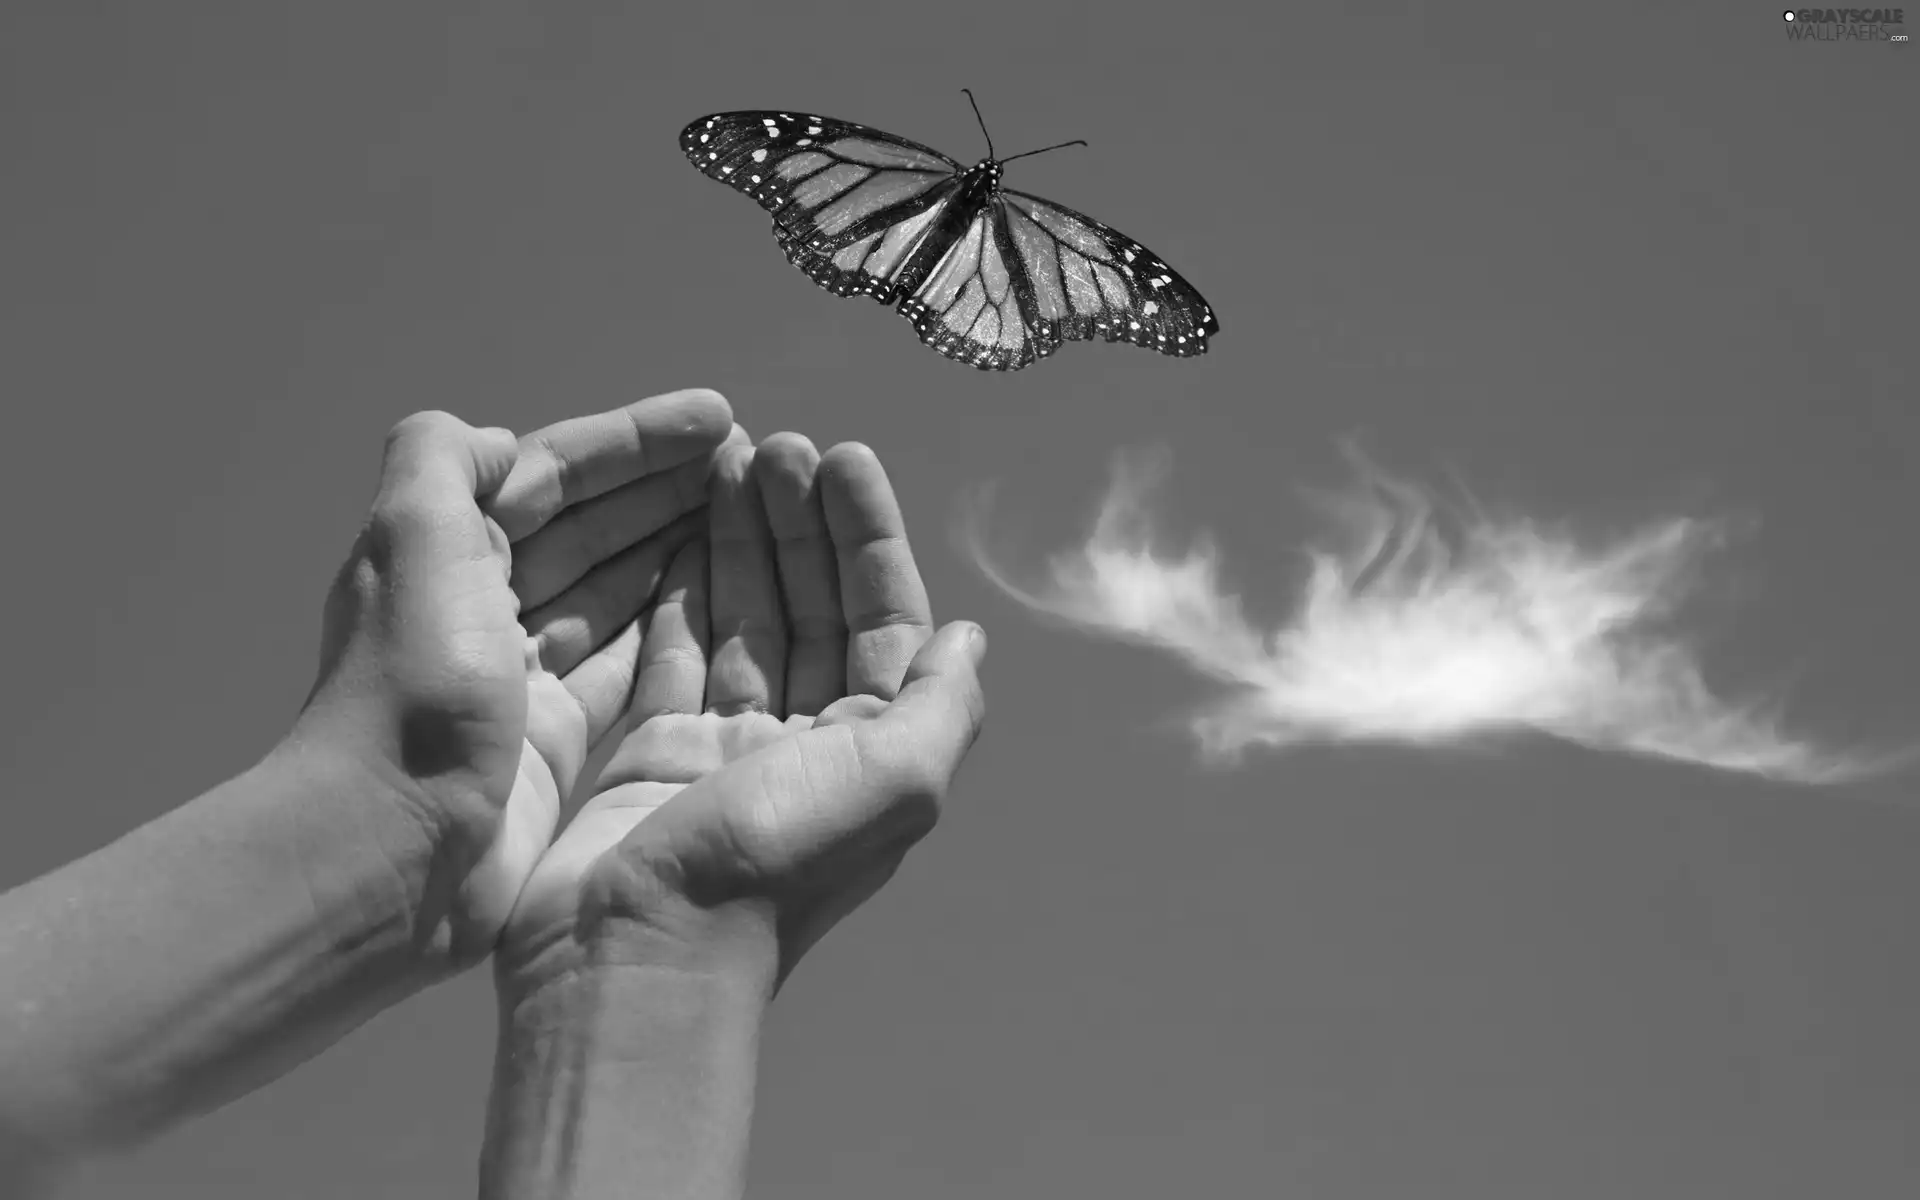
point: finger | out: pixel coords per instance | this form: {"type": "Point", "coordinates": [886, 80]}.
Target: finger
{"type": "Point", "coordinates": [587, 615]}
{"type": "Point", "coordinates": [748, 670]}
{"type": "Point", "coordinates": [850, 710]}
{"type": "Point", "coordinates": [436, 469]}
{"type": "Point", "coordinates": [440, 454]}
{"type": "Point", "coordinates": [939, 712]}
{"type": "Point", "coordinates": [557, 726]}
{"type": "Point", "coordinates": [587, 534]}
{"type": "Point", "coordinates": [603, 682]}
{"type": "Point", "coordinates": [673, 652]}
{"type": "Point", "coordinates": [838, 792]}
{"type": "Point", "coordinates": [578, 459]}
{"type": "Point", "coordinates": [787, 467]}
{"type": "Point", "coordinates": [909, 754]}
{"type": "Point", "coordinates": [883, 601]}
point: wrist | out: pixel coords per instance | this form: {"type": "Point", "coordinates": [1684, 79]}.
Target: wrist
{"type": "Point", "coordinates": [630, 908]}
{"type": "Point", "coordinates": [735, 945]}
{"type": "Point", "coordinates": [620, 995]}
{"type": "Point", "coordinates": [360, 821]}
{"type": "Point", "coordinates": [631, 1075]}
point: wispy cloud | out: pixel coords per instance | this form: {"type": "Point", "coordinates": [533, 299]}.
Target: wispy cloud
{"type": "Point", "coordinates": [1433, 625]}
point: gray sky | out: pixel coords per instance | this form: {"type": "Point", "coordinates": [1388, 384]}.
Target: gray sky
{"type": "Point", "coordinates": [1605, 264]}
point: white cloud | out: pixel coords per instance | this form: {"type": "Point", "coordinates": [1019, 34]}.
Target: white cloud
{"type": "Point", "coordinates": [1430, 626]}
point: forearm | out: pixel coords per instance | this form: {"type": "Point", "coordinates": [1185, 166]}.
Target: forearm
{"type": "Point", "coordinates": [202, 955]}
{"type": "Point", "coordinates": [628, 1079]}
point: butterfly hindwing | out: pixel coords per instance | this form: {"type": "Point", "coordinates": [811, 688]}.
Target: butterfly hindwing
{"type": "Point", "coordinates": [977, 306]}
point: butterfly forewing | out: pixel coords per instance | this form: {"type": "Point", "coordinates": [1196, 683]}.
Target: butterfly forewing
{"type": "Point", "coordinates": [871, 265]}
{"type": "Point", "coordinates": [795, 163]}
{"type": "Point", "coordinates": [991, 278]}
{"type": "Point", "coordinates": [830, 185]}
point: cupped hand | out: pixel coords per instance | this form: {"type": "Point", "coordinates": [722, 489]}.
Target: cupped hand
{"type": "Point", "coordinates": [795, 730]}
{"type": "Point", "coordinates": [487, 608]}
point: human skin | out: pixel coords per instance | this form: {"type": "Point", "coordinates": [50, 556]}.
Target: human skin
{"type": "Point", "coordinates": [797, 725]}
{"type": "Point", "coordinates": [381, 845]}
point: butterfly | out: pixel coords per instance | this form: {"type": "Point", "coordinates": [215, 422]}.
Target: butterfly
{"type": "Point", "coordinates": [987, 276]}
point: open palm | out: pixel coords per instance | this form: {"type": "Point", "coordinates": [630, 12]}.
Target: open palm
{"type": "Point", "coordinates": [794, 727]}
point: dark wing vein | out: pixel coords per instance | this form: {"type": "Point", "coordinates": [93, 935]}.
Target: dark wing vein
{"type": "Point", "coordinates": [847, 200]}
{"type": "Point", "coordinates": [1090, 280]}
{"type": "Point", "coordinates": [976, 306]}
{"type": "Point", "coordinates": [871, 265]}
{"type": "Point", "coordinates": [863, 212]}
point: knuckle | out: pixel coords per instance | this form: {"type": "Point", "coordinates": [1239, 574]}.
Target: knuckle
{"type": "Point", "coordinates": [675, 656]}
{"type": "Point", "coordinates": [887, 596]}
{"type": "Point", "coordinates": [560, 469]}
{"type": "Point", "coordinates": [541, 444]}
{"type": "Point", "coordinates": [641, 715]}
{"type": "Point", "coordinates": [424, 423]}
{"type": "Point", "coordinates": [851, 710]}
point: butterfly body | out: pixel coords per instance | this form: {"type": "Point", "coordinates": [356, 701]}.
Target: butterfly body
{"type": "Point", "coordinates": [988, 276]}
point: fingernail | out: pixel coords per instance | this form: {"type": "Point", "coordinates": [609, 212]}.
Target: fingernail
{"type": "Point", "coordinates": [976, 643]}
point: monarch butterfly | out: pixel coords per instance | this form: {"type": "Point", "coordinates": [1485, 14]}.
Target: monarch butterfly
{"type": "Point", "coordinates": [988, 276]}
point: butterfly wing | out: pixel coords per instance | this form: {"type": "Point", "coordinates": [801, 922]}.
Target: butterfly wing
{"type": "Point", "coordinates": [1028, 274]}
{"type": "Point", "coordinates": [973, 307]}
{"type": "Point", "coordinates": [849, 202]}
{"type": "Point", "coordinates": [994, 284]}
{"type": "Point", "coordinates": [875, 263]}
{"type": "Point", "coordinates": [1088, 280]}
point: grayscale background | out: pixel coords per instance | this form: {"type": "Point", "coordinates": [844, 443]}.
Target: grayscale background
{"type": "Point", "coordinates": [1607, 262]}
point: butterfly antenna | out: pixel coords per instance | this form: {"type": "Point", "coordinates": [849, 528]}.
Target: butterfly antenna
{"type": "Point", "coordinates": [981, 119]}
{"type": "Point", "coordinates": [1044, 149]}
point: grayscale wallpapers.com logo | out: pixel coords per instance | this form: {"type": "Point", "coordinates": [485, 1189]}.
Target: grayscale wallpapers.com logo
{"type": "Point", "coordinates": [1845, 24]}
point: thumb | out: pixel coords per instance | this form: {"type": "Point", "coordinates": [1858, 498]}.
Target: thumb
{"type": "Point", "coordinates": [791, 810]}
{"type": "Point", "coordinates": [437, 468]}
{"type": "Point", "coordinates": [436, 457]}
{"type": "Point", "coordinates": [941, 707]}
